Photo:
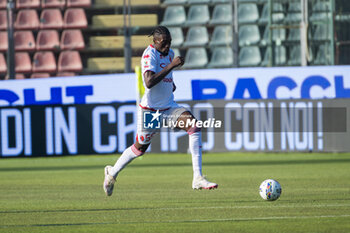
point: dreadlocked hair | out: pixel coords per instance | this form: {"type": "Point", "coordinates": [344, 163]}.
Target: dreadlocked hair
{"type": "Point", "coordinates": [160, 30]}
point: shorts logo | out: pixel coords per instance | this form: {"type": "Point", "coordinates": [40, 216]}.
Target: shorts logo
{"type": "Point", "coordinates": [151, 120]}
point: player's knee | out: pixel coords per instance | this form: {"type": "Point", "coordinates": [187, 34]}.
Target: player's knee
{"type": "Point", "coordinates": [193, 129]}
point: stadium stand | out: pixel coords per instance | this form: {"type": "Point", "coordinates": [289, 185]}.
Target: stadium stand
{"type": "Point", "coordinates": [24, 41]}
{"type": "Point", "coordinates": [174, 16]}
{"type": "Point", "coordinates": [20, 4]}
{"type": "Point", "coordinates": [40, 75]}
{"type": "Point", "coordinates": [222, 57]}
{"type": "Point", "coordinates": [177, 36]}
{"type": "Point", "coordinates": [45, 62]}
{"type": "Point", "coordinates": [249, 56]}
{"type": "Point", "coordinates": [3, 20]}
{"type": "Point", "coordinates": [222, 14]}
{"type": "Point", "coordinates": [222, 35]}
{"type": "Point", "coordinates": [53, 3]}
{"type": "Point", "coordinates": [72, 39]}
{"type": "Point", "coordinates": [94, 31]}
{"type": "Point", "coordinates": [22, 62]}
{"type": "Point", "coordinates": [196, 58]}
{"type": "Point", "coordinates": [196, 36]}
{"type": "Point", "coordinates": [47, 40]}
{"type": "Point", "coordinates": [3, 65]}
{"type": "Point", "coordinates": [27, 20]}
{"type": "Point", "coordinates": [197, 15]}
{"type": "Point", "coordinates": [3, 41]}
{"type": "Point", "coordinates": [69, 61]}
{"type": "Point", "coordinates": [51, 19]}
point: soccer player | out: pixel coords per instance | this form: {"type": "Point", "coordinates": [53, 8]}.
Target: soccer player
{"type": "Point", "coordinates": [157, 65]}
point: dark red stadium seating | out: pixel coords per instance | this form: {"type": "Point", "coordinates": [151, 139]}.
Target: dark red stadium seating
{"type": "Point", "coordinates": [3, 41]}
{"type": "Point", "coordinates": [53, 3]}
{"type": "Point", "coordinates": [75, 18]}
{"type": "Point", "coordinates": [3, 66]}
{"type": "Point", "coordinates": [27, 19]}
{"type": "Point", "coordinates": [72, 39]}
{"type": "Point", "coordinates": [51, 19]}
{"type": "Point", "coordinates": [20, 4]}
{"type": "Point", "coordinates": [69, 61]}
{"type": "Point", "coordinates": [40, 75]}
{"type": "Point", "coordinates": [3, 20]}
{"type": "Point", "coordinates": [24, 41]}
{"type": "Point", "coordinates": [44, 62]}
{"type": "Point", "coordinates": [78, 3]}
{"type": "Point", "coordinates": [23, 63]}
{"type": "Point", "coordinates": [47, 40]}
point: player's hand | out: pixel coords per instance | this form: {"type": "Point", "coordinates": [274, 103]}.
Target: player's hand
{"type": "Point", "coordinates": [178, 61]}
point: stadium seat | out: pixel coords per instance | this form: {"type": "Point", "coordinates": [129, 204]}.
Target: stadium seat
{"type": "Point", "coordinates": [278, 36]}
{"type": "Point", "coordinates": [44, 62]}
{"type": "Point", "coordinates": [280, 58]}
{"type": "Point", "coordinates": [248, 35]}
{"type": "Point", "coordinates": [321, 6]}
{"type": "Point", "coordinates": [177, 36]}
{"type": "Point", "coordinates": [248, 13]}
{"type": "Point", "coordinates": [221, 57]}
{"type": "Point", "coordinates": [249, 56]}
{"type": "Point", "coordinates": [75, 18]}
{"type": "Point", "coordinates": [196, 36]}
{"type": "Point", "coordinates": [292, 18]}
{"type": "Point", "coordinates": [53, 3]}
{"type": "Point", "coordinates": [293, 35]}
{"type": "Point", "coordinates": [196, 58]}
{"type": "Point", "coordinates": [176, 52]}
{"type": "Point", "coordinates": [192, 2]}
{"type": "Point", "coordinates": [51, 19]}
{"type": "Point", "coordinates": [107, 64]}
{"type": "Point", "coordinates": [222, 35]}
{"type": "Point", "coordinates": [78, 3]}
{"type": "Point", "coordinates": [24, 41]}
{"type": "Point", "coordinates": [197, 15]}
{"type": "Point", "coordinates": [320, 17]}
{"type": "Point", "coordinates": [20, 4]}
{"type": "Point", "coordinates": [323, 55]}
{"type": "Point", "coordinates": [294, 56]}
{"type": "Point", "coordinates": [120, 3]}
{"type": "Point", "coordinates": [277, 16]}
{"type": "Point", "coordinates": [69, 61]}
{"type": "Point", "coordinates": [22, 62]}
{"type": "Point", "coordinates": [40, 75]}
{"type": "Point", "coordinates": [220, 1]}
{"type": "Point", "coordinates": [47, 40]}
{"type": "Point", "coordinates": [294, 7]}
{"type": "Point", "coordinates": [3, 4]}
{"type": "Point", "coordinates": [18, 76]}
{"type": "Point", "coordinates": [3, 65]}
{"type": "Point", "coordinates": [175, 2]}
{"type": "Point", "coordinates": [27, 19]}
{"type": "Point", "coordinates": [3, 19]}
{"type": "Point", "coordinates": [113, 21]}
{"type": "Point", "coordinates": [3, 41]}
{"type": "Point", "coordinates": [322, 32]}
{"type": "Point", "coordinates": [72, 39]}
{"type": "Point", "coordinates": [174, 16]}
{"type": "Point", "coordinates": [222, 14]}
{"type": "Point", "coordinates": [65, 74]}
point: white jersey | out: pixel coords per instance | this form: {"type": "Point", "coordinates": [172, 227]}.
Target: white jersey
{"type": "Point", "coordinates": [161, 95]}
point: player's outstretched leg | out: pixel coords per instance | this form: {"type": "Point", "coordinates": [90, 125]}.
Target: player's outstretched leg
{"type": "Point", "coordinates": [195, 142]}
{"type": "Point", "coordinates": [111, 173]}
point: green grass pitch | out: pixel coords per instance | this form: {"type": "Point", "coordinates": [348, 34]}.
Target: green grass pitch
{"type": "Point", "coordinates": [153, 194]}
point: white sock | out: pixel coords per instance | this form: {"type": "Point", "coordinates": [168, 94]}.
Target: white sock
{"type": "Point", "coordinates": [195, 141]}
{"type": "Point", "coordinates": [127, 156]}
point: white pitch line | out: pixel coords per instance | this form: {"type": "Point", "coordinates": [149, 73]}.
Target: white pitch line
{"type": "Point", "coordinates": [253, 219]}
{"type": "Point", "coordinates": [253, 207]}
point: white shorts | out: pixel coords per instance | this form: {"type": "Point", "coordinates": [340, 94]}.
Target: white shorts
{"type": "Point", "coordinates": [146, 128]}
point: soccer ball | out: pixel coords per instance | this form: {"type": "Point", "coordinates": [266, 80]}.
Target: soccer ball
{"type": "Point", "coordinates": [270, 190]}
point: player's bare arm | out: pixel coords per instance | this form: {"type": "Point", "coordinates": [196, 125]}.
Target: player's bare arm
{"type": "Point", "coordinates": [151, 78]}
